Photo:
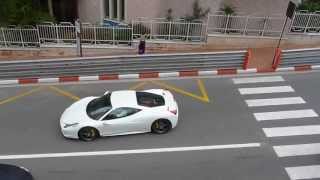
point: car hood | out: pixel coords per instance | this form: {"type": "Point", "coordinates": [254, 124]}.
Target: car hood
{"type": "Point", "coordinates": [76, 113]}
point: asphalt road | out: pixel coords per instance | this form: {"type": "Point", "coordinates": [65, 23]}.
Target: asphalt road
{"type": "Point", "coordinates": [212, 113]}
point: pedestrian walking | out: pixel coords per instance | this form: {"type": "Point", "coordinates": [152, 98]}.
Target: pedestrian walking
{"type": "Point", "coordinates": [142, 44]}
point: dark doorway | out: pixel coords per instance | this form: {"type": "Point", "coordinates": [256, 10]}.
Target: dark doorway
{"type": "Point", "coordinates": [65, 10]}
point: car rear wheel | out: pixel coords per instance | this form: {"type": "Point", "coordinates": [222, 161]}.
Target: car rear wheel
{"type": "Point", "coordinates": [161, 126]}
{"type": "Point", "coordinates": [88, 134]}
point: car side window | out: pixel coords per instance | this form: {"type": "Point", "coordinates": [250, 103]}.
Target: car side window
{"type": "Point", "coordinates": [120, 113]}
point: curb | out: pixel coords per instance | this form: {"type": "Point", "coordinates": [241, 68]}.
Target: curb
{"type": "Point", "coordinates": [153, 75]}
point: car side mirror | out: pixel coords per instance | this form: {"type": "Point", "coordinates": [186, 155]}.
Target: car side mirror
{"type": "Point", "coordinates": [107, 92]}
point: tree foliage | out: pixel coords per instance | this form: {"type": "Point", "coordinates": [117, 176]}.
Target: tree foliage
{"type": "Point", "coordinates": [228, 10]}
{"type": "Point", "coordinates": [310, 5]}
{"type": "Point", "coordinates": [197, 12]}
{"type": "Point", "coordinates": [22, 12]}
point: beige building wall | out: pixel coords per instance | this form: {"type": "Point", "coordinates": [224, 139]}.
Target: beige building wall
{"type": "Point", "coordinates": [259, 7]}
{"type": "Point", "coordinates": [146, 8]}
{"type": "Point", "coordinates": [181, 8]}
{"type": "Point", "coordinates": [91, 10]}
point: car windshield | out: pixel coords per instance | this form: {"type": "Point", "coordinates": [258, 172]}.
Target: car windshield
{"type": "Point", "coordinates": [99, 106]}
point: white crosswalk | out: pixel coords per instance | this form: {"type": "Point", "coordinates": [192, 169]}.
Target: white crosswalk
{"type": "Point", "coordinates": [288, 113]}
{"type": "Point", "coordinates": [278, 115]}
{"type": "Point", "coordinates": [304, 172]}
{"type": "Point", "coordinates": [258, 79]}
{"type": "Point", "coordinates": [266, 90]}
{"type": "Point", "coordinates": [292, 131]}
{"type": "Point", "coordinates": [274, 101]}
{"type": "Point", "coordinates": [297, 150]}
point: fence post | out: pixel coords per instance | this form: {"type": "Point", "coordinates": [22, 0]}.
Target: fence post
{"type": "Point", "coordinates": [264, 25]}
{"type": "Point", "coordinates": [113, 37]}
{"type": "Point", "coordinates": [227, 24]}
{"type": "Point", "coordinates": [57, 33]}
{"type": "Point", "coordinates": [307, 25]}
{"type": "Point", "coordinates": [170, 24]}
{"type": "Point", "coordinates": [245, 26]}
{"type": "Point", "coordinates": [131, 41]}
{"type": "Point", "coordinates": [4, 38]}
{"type": "Point", "coordinates": [188, 31]}
{"type": "Point", "coordinates": [207, 27]}
{"type": "Point", "coordinates": [151, 29]}
{"type": "Point", "coordinates": [21, 37]}
{"type": "Point", "coordinates": [95, 35]}
{"type": "Point", "coordinates": [38, 35]}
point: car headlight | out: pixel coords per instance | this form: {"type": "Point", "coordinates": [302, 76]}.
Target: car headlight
{"type": "Point", "coordinates": [69, 125]}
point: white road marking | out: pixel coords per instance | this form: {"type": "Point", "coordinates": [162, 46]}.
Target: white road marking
{"type": "Point", "coordinates": [169, 74]}
{"type": "Point", "coordinates": [266, 90]}
{"type": "Point", "coordinates": [89, 78]}
{"type": "Point", "coordinates": [297, 150]}
{"type": "Point", "coordinates": [278, 115]}
{"type": "Point", "coordinates": [303, 172]}
{"type": "Point", "coordinates": [48, 80]}
{"type": "Point", "coordinates": [124, 152]}
{"type": "Point", "coordinates": [8, 82]}
{"type": "Point", "coordinates": [274, 101]}
{"type": "Point", "coordinates": [129, 76]}
{"type": "Point", "coordinates": [257, 79]}
{"type": "Point", "coordinates": [292, 131]}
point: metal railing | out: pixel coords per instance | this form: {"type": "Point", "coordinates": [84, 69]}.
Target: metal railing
{"type": "Point", "coordinates": [305, 23]}
{"type": "Point", "coordinates": [169, 30]}
{"type": "Point", "coordinates": [245, 25]}
{"type": "Point", "coordinates": [296, 57]}
{"type": "Point", "coordinates": [91, 35]}
{"type": "Point", "coordinates": [19, 38]}
{"type": "Point", "coordinates": [122, 64]}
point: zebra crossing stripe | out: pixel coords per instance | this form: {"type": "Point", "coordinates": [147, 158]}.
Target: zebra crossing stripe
{"type": "Point", "coordinates": [257, 79]}
{"type": "Point", "coordinates": [303, 172]}
{"type": "Point", "coordinates": [292, 131]}
{"type": "Point", "coordinates": [265, 90]}
{"type": "Point", "coordinates": [274, 101]}
{"type": "Point", "coordinates": [297, 150]}
{"type": "Point", "coordinates": [278, 115]}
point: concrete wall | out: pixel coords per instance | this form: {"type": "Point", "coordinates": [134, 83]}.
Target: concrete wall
{"type": "Point", "coordinates": [91, 10]}
{"type": "Point", "coordinates": [233, 42]}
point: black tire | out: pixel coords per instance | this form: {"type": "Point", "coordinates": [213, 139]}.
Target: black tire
{"type": "Point", "coordinates": [161, 126]}
{"type": "Point", "coordinates": [88, 134]}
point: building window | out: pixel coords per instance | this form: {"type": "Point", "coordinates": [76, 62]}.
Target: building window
{"type": "Point", "coordinates": [107, 8]}
{"type": "Point", "coordinates": [122, 10]}
{"type": "Point", "coordinates": [115, 9]}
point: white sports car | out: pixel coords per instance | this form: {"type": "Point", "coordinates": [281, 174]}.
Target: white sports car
{"type": "Point", "coordinates": [120, 113]}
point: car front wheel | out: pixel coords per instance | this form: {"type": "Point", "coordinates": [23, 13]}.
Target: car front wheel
{"type": "Point", "coordinates": [88, 134]}
{"type": "Point", "coordinates": [161, 126]}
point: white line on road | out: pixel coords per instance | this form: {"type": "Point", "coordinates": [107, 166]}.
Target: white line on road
{"type": "Point", "coordinates": [257, 79]}
{"type": "Point", "coordinates": [297, 150]}
{"type": "Point", "coordinates": [303, 172]}
{"type": "Point", "coordinates": [124, 152]}
{"type": "Point", "coordinates": [278, 115]}
{"type": "Point", "coordinates": [274, 101]}
{"type": "Point", "coordinates": [266, 90]}
{"type": "Point", "coordinates": [292, 131]}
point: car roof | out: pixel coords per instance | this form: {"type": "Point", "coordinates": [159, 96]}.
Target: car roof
{"type": "Point", "coordinates": [124, 98]}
